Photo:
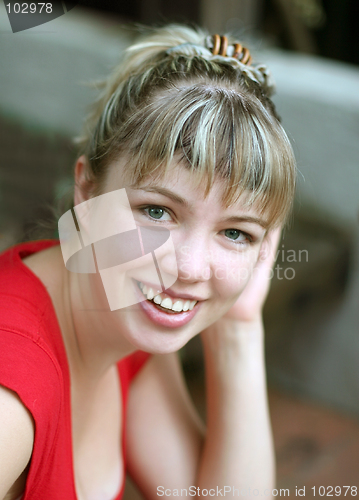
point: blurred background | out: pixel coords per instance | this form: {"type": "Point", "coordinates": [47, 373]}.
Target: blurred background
{"type": "Point", "coordinates": [311, 316]}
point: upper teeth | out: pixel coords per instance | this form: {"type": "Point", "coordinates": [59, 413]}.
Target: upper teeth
{"type": "Point", "coordinates": [177, 305]}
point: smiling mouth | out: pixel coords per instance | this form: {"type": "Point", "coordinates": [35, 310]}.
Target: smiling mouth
{"type": "Point", "coordinates": [165, 303]}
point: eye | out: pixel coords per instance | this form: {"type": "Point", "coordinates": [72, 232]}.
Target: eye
{"type": "Point", "coordinates": [156, 212]}
{"type": "Point", "coordinates": [237, 236]}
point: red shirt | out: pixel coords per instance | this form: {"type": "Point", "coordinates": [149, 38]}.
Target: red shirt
{"type": "Point", "coordinates": [33, 363]}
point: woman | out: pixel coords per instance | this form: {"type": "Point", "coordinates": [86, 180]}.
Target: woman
{"type": "Point", "coordinates": [185, 132]}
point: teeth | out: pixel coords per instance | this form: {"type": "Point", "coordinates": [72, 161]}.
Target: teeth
{"type": "Point", "coordinates": [192, 304]}
{"type": "Point", "coordinates": [178, 306]}
{"type": "Point", "coordinates": [167, 303]}
{"type": "Point", "coordinates": [157, 299]}
{"type": "Point", "coordinates": [186, 305]}
{"type": "Point", "coordinates": [175, 305]}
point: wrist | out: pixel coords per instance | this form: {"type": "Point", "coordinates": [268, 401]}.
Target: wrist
{"type": "Point", "coordinates": [234, 332]}
{"type": "Point", "coordinates": [233, 346]}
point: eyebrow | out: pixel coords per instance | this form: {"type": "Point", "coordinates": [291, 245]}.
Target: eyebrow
{"type": "Point", "coordinates": [181, 201]}
{"type": "Point", "coordinates": [166, 192]}
{"type": "Point", "coordinates": [246, 218]}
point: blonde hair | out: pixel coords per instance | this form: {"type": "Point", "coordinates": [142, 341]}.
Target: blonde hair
{"type": "Point", "coordinates": [171, 99]}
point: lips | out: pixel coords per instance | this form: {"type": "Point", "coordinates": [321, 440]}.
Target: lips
{"type": "Point", "coordinates": [164, 316]}
{"type": "Point", "coordinates": [176, 304]}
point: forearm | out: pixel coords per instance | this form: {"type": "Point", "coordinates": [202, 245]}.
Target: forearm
{"type": "Point", "coordinates": [238, 449]}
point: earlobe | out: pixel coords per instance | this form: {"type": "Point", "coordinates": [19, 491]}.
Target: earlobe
{"type": "Point", "coordinates": [83, 185]}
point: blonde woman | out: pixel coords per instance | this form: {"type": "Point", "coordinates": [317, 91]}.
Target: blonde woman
{"type": "Point", "coordinates": [186, 129]}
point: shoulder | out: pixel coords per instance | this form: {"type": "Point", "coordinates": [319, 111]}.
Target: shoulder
{"type": "Point", "coordinates": [30, 343]}
{"type": "Point", "coordinates": [23, 295]}
{"type": "Point", "coordinates": [45, 264]}
{"type": "Point", "coordinates": [30, 362]}
{"type": "Point", "coordinates": [32, 356]}
{"type": "Point", "coordinates": [32, 372]}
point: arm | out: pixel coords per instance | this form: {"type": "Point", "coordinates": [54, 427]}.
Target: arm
{"type": "Point", "coordinates": [239, 449]}
{"type": "Point", "coordinates": [164, 434]}
{"type": "Point", "coordinates": [16, 441]}
{"type": "Point", "coordinates": [167, 444]}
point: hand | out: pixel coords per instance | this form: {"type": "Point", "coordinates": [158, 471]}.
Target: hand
{"type": "Point", "coordinates": [248, 307]}
{"type": "Point", "coordinates": [245, 315]}
{"type": "Point", "coordinates": [239, 334]}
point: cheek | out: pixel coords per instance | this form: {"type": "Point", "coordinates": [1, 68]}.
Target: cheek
{"type": "Point", "coordinates": [232, 272]}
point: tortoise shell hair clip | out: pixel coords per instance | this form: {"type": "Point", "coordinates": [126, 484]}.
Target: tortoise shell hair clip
{"type": "Point", "coordinates": [218, 45]}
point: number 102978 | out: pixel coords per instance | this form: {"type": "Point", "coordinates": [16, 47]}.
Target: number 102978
{"type": "Point", "coordinates": [29, 8]}
{"type": "Point", "coordinates": [335, 491]}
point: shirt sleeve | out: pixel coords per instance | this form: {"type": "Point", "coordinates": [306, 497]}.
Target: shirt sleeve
{"type": "Point", "coordinates": [29, 370]}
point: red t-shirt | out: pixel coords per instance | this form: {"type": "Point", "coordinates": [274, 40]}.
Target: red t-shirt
{"type": "Point", "coordinates": [33, 363]}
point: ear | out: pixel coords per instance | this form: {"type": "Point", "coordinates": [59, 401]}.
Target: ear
{"type": "Point", "coordinates": [83, 185]}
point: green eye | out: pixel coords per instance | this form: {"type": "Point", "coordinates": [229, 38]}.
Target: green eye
{"type": "Point", "coordinates": [155, 212]}
{"type": "Point", "coordinates": [235, 234]}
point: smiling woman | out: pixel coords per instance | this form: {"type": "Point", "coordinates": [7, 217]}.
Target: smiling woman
{"type": "Point", "coordinates": [185, 139]}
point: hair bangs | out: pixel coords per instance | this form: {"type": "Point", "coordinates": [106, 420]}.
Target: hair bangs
{"type": "Point", "coordinates": [217, 134]}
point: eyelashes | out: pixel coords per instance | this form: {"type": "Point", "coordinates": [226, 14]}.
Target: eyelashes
{"type": "Point", "coordinates": [248, 237]}
{"type": "Point", "coordinates": [155, 208]}
{"type": "Point", "coordinates": [161, 210]}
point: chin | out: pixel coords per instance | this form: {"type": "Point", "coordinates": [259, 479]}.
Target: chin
{"type": "Point", "coordinates": [157, 344]}
{"type": "Point", "coordinates": [159, 340]}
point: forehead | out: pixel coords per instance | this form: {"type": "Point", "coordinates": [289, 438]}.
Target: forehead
{"type": "Point", "coordinates": [180, 185]}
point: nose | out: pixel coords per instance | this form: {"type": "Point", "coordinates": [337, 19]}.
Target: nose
{"type": "Point", "coordinates": [193, 259]}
